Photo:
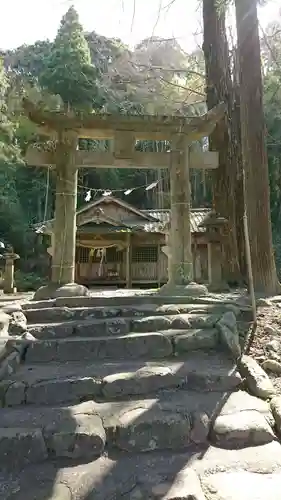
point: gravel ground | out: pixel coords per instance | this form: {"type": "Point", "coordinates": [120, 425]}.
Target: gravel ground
{"type": "Point", "coordinates": [268, 329]}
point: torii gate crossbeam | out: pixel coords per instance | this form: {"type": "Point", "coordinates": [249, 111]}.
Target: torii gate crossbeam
{"type": "Point", "coordinates": [124, 130]}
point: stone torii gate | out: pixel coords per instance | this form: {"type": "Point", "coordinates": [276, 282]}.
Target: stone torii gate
{"type": "Point", "coordinates": [66, 129]}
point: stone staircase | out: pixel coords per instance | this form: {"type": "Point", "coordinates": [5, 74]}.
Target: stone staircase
{"type": "Point", "coordinates": [126, 377]}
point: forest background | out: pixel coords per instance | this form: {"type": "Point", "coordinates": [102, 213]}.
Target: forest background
{"type": "Point", "coordinates": [157, 76]}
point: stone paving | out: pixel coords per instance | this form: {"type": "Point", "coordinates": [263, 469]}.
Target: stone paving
{"type": "Point", "coordinates": [118, 396]}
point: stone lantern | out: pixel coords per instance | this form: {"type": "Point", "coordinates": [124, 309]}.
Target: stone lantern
{"type": "Point", "coordinates": [214, 225]}
{"type": "Point", "coordinates": [10, 257]}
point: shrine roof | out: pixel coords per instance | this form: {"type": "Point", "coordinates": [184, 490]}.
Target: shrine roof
{"type": "Point", "coordinates": [197, 217]}
{"type": "Point", "coordinates": [96, 220]}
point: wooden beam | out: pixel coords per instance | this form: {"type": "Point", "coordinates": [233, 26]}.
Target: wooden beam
{"type": "Point", "coordinates": [143, 126]}
{"type": "Point", "coordinates": [124, 145]}
{"type": "Point", "coordinates": [204, 160]}
{"type": "Point", "coordinates": [36, 158]}
{"type": "Point", "coordinates": [90, 159]}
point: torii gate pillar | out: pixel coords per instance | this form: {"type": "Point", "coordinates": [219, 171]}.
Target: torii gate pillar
{"type": "Point", "coordinates": [63, 261]}
{"type": "Point", "coordinates": [125, 130]}
{"type": "Point", "coordinates": [180, 265]}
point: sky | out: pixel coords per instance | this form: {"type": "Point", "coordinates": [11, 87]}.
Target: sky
{"type": "Point", "coordinates": [24, 22]}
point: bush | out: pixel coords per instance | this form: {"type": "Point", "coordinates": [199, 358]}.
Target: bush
{"type": "Point", "coordinates": [26, 282]}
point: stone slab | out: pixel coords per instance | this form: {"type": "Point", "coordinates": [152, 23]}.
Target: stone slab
{"type": "Point", "coordinates": [53, 290]}
{"type": "Point", "coordinates": [11, 307]}
{"type": "Point", "coordinates": [229, 334]}
{"type": "Point", "coordinates": [41, 416]}
{"type": "Point", "coordinates": [122, 326]}
{"type": "Point", "coordinates": [21, 446]}
{"type": "Point", "coordinates": [244, 428]}
{"type": "Point", "coordinates": [240, 401]}
{"type": "Point", "coordinates": [83, 437]}
{"type": "Point", "coordinates": [68, 432]}
{"type": "Point", "coordinates": [275, 406]}
{"type": "Point", "coordinates": [184, 486]}
{"type": "Point", "coordinates": [151, 324]}
{"type": "Point", "coordinates": [180, 321]}
{"type": "Point", "coordinates": [169, 421]}
{"type": "Point", "coordinates": [3, 348]}
{"type": "Point", "coordinates": [38, 304]}
{"type": "Point", "coordinates": [140, 299]}
{"type": "Point", "coordinates": [211, 403]}
{"type": "Point", "coordinates": [58, 391]}
{"type": "Point", "coordinates": [96, 328]}
{"type": "Point", "coordinates": [54, 383]}
{"type": "Point", "coordinates": [257, 380]}
{"type": "Point", "coordinates": [9, 364]}
{"type": "Point", "coordinates": [4, 323]}
{"type": "Point", "coordinates": [196, 339]}
{"type": "Point", "coordinates": [152, 422]}
{"type": "Point", "coordinates": [13, 393]}
{"type": "Point", "coordinates": [132, 416]}
{"type": "Point", "coordinates": [134, 477]}
{"type": "Point", "coordinates": [140, 430]}
{"type": "Point", "coordinates": [242, 485]}
{"type": "Point", "coordinates": [135, 346]}
{"type": "Point", "coordinates": [52, 330]}
{"type": "Point", "coordinates": [49, 314]}
{"type": "Point", "coordinates": [18, 323]}
{"type": "Point", "coordinates": [45, 491]}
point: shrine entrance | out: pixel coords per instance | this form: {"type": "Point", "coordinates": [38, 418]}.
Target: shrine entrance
{"type": "Point", "coordinates": [123, 132]}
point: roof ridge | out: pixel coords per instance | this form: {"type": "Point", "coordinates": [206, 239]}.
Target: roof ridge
{"type": "Point", "coordinates": [203, 209]}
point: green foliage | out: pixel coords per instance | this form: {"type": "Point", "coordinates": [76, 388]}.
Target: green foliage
{"type": "Point", "coordinates": [26, 282]}
{"type": "Point", "coordinates": [8, 148]}
{"type": "Point", "coordinates": [100, 73]}
{"type": "Point", "coordinates": [29, 60]}
{"type": "Point", "coordinates": [68, 70]}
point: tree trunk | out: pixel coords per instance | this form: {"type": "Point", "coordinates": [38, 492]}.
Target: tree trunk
{"type": "Point", "coordinates": [254, 148]}
{"type": "Point", "coordinates": [239, 191]}
{"type": "Point", "coordinates": [219, 88]}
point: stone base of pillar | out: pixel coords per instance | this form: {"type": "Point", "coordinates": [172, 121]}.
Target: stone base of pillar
{"type": "Point", "coordinates": [9, 290]}
{"type": "Point", "coordinates": [191, 289]}
{"type": "Point", "coordinates": [53, 291]}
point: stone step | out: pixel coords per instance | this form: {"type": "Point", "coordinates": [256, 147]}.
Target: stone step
{"type": "Point", "coordinates": [152, 345]}
{"type": "Point", "coordinates": [130, 300]}
{"type": "Point", "coordinates": [36, 435]}
{"type": "Point", "coordinates": [173, 421]}
{"type": "Point", "coordinates": [210, 473]}
{"type": "Point", "coordinates": [63, 313]}
{"type": "Point", "coordinates": [135, 346]}
{"type": "Point", "coordinates": [53, 383]}
{"type": "Point", "coordinates": [123, 326]}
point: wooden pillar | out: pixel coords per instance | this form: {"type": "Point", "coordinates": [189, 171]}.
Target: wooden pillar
{"type": "Point", "coordinates": [63, 262]}
{"type": "Point", "coordinates": [129, 261]}
{"type": "Point", "coordinates": [181, 271]}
